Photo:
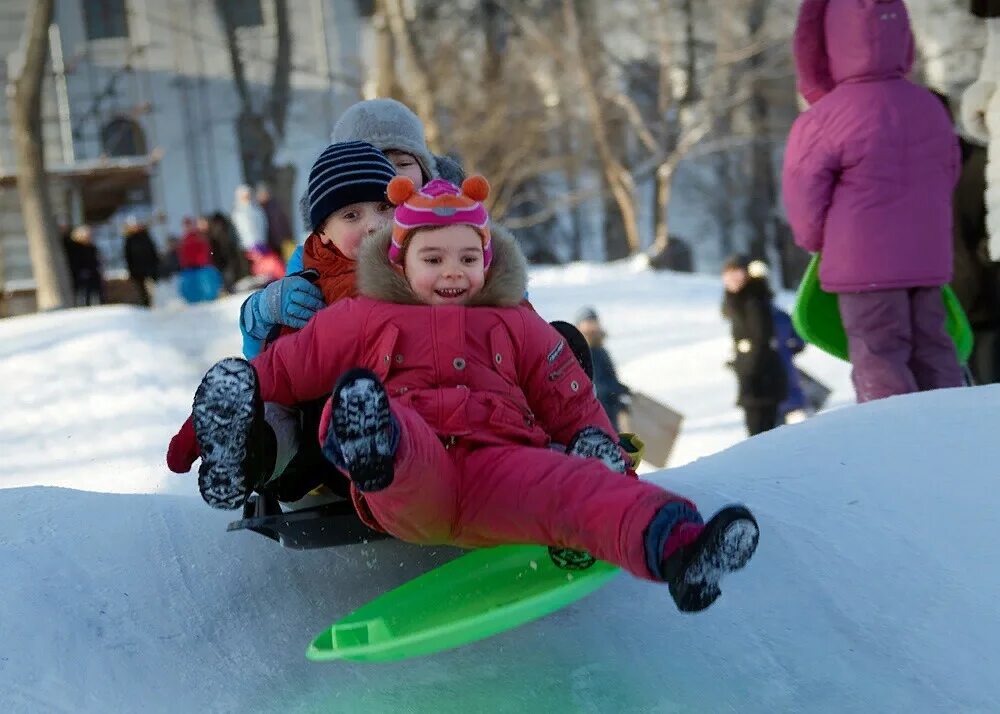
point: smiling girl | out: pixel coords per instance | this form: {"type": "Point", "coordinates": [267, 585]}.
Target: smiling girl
{"type": "Point", "coordinates": [448, 395]}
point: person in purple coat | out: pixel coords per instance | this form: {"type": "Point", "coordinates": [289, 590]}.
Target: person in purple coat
{"type": "Point", "coordinates": [868, 178]}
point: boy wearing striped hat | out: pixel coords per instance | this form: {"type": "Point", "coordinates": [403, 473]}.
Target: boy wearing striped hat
{"type": "Point", "coordinates": [347, 204]}
{"type": "Point", "coordinates": [448, 393]}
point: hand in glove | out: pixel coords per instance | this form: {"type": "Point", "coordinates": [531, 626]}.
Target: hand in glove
{"type": "Point", "coordinates": [633, 446]}
{"type": "Point", "coordinates": [975, 100]}
{"type": "Point", "coordinates": [183, 449]}
{"type": "Point", "coordinates": [290, 301]}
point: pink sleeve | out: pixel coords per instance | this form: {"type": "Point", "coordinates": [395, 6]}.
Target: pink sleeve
{"type": "Point", "coordinates": [305, 365]}
{"type": "Point", "coordinates": [558, 390]}
{"type": "Point", "coordinates": [807, 181]}
{"type": "Point", "coordinates": [812, 68]}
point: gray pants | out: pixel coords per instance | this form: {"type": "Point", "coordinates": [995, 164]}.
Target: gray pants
{"type": "Point", "coordinates": [287, 426]}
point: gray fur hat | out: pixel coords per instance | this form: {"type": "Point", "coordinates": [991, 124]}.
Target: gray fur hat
{"type": "Point", "coordinates": [450, 170]}
{"type": "Point", "coordinates": [386, 124]}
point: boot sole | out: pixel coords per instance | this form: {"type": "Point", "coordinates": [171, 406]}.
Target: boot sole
{"type": "Point", "coordinates": [224, 408]}
{"type": "Point", "coordinates": [361, 425]}
{"type": "Point", "coordinates": [728, 543]}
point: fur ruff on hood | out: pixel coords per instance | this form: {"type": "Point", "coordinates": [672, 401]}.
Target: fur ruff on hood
{"type": "Point", "coordinates": [506, 280]}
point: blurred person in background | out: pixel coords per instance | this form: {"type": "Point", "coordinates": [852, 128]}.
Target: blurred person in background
{"type": "Point", "coordinates": [976, 279]}
{"type": "Point", "coordinates": [85, 267]}
{"type": "Point", "coordinates": [199, 280]}
{"type": "Point", "coordinates": [279, 228]}
{"type": "Point", "coordinates": [141, 258]}
{"type": "Point", "coordinates": [795, 407]}
{"type": "Point", "coordinates": [981, 113]}
{"type": "Point", "coordinates": [760, 375]}
{"type": "Point", "coordinates": [250, 223]}
{"type": "Point", "coordinates": [611, 393]}
{"type": "Point", "coordinates": [171, 263]}
{"type": "Point", "coordinates": [227, 253]}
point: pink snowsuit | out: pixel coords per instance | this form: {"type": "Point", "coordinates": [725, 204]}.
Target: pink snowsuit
{"type": "Point", "coordinates": [868, 178]}
{"type": "Point", "coordinates": [478, 391]}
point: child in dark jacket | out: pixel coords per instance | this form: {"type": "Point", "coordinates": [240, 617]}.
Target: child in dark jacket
{"type": "Point", "coordinates": [868, 178]}
{"type": "Point", "coordinates": [788, 344]}
{"type": "Point", "coordinates": [611, 393]}
{"type": "Point", "coordinates": [760, 376]}
{"type": "Point", "coordinates": [447, 394]}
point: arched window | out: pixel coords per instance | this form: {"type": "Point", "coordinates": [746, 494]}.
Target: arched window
{"type": "Point", "coordinates": [123, 137]}
{"type": "Point", "coordinates": [105, 19]}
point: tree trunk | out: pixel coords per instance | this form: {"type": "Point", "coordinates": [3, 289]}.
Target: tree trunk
{"type": "Point", "coordinates": [664, 184]}
{"type": "Point", "coordinates": [386, 81]}
{"type": "Point", "coordinates": [418, 75]}
{"type": "Point", "coordinates": [619, 180]}
{"type": "Point", "coordinates": [763, 190]}
{"type": "Point", "coordinates": [259, 135]}
{"type": "Point", "coordinates": [48, 260]}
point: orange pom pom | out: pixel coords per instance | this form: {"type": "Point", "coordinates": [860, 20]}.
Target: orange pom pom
{"type": "Point", "coordinates": [476, 187]}
{"type": "Point", "coordinates": [400, 189]}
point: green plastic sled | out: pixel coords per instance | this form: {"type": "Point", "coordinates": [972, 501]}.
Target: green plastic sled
{"type": "Point", "coordinates": [817, 317]}
{"type": "Point", "coordinates": [477, 595]}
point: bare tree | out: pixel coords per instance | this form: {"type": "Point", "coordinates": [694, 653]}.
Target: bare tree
{"type": "Point", "coordinates": [261, 129]}
{"type": "Point", "coordinates": [48, 261]}
{"type": "Point", "coordinates": [421, 80]}
{"type": "Point", "coordinates": [563, 103]}
{"type": "Point", "coordinates": [582, 39]}
{"type": "Point", "coordinates": [386, 79]}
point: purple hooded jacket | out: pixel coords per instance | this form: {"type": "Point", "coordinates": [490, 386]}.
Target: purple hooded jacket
{"type": "Point", "coordinates": [870, 168]}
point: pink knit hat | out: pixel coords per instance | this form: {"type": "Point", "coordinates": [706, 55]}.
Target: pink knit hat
{"type": "Point", "coordinates": [438, 203]}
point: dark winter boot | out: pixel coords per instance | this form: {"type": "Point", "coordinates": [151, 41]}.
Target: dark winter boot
{"type": "Point", "coordinates": [725, 544]}
{"type": "Point", "coordinates": [363, 434]}
{"type": "Point", "coordinates": [237, 446]}
{"type": "Point", "coordinates": [589, 442]}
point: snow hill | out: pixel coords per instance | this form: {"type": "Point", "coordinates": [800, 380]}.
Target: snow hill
{"type": "Point", "coordinates": [874, 587]}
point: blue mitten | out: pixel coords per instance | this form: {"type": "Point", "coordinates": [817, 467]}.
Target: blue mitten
{"type": "Point", "coordinates": [290, 301]}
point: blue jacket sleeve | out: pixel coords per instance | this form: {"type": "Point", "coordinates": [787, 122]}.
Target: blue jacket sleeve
{"type": "Point", "coordinates": [295, 262]}
{"type": "Point", "coordinates": [256, 331]}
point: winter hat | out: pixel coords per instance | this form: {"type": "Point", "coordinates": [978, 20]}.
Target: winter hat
{"type": "Point", "coordinates": [737, 261]}
{"type": "Point", "coordinates": [438, 203]}
{"type": "Point", "coordinates": [585, 314]}
{"type": "Point", "coordinates": [755, 268]}
{"type": "Point", "coordinates": [449, 169]}
{"type": "Point", "coordinates": [388, 125]}
{"type": "Point", "coordinates": [345, 173]}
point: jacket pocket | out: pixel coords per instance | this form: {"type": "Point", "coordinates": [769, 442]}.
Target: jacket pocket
{"type": "Point", "coordinates": [502, 353]}
{"type": "Point", "coordinates": [384, 352]}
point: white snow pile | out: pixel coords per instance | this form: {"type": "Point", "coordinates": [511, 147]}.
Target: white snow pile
{"type": "Point", "coordinates": [874, 588]}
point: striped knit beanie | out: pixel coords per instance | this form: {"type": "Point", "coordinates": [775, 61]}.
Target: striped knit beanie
{"type": "Point", "coordinates": [438, 203]}
{"type": "Point", "coordinates": [345, 173]}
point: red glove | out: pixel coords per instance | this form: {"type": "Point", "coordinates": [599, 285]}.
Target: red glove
{"type": "Point", "coordinates": [183, 449]}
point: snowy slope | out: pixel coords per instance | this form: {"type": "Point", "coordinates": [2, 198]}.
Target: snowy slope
{"type": "Point", "coordinates": [873, 589]}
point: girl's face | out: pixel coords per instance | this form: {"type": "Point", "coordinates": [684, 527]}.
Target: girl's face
{"type": "Point", "coordinates": [444, 266]}
{"type": "Point", "coordinates": [734, 279]}
{"type": "Point", "coordinates": [348, 226]}
{"type": "Point", "coordinates": [406, 165]}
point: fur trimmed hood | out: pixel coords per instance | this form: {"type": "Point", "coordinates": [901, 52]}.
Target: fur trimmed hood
{"type": "Point", "coordinates": [506, 280]}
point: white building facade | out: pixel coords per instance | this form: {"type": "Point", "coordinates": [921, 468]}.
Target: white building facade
{"type": "Point", "coordinates": [140, 107]}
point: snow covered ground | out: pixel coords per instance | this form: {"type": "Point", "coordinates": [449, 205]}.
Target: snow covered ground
{"type": "Point", "coordinates": [874, 587]}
